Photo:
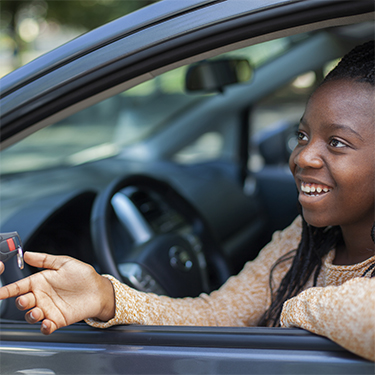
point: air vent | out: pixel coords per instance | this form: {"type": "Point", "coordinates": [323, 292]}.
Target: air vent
{"type": "Point", "coordinates": [148, 206]}
{"type": "Point", "coordinates": [158, 214]}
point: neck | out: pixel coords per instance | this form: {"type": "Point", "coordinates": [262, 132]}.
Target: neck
{"type": "Point", "coordinates": [358, 246]}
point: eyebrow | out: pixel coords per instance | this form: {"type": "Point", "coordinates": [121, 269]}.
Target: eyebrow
{"type": "Point", "coordinates": [346, 128]}
{"type": "Point", "coordinates": [338, 126]}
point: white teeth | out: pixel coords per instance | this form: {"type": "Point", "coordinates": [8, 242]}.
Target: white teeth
{"type": "Point", "coordinates": [312, 189]}
{"type": "Point", "coordinates": [305, 189]}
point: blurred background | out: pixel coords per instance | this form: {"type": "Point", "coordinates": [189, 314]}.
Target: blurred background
{"type": "Point", "coordinates": [29, 28]}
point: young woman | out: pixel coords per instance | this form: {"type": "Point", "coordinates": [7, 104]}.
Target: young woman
{"type": "Point", "coordinates": [316, 274]}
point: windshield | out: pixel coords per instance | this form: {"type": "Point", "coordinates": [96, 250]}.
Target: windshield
{"type": "Point", "coordinates": [107, 128]}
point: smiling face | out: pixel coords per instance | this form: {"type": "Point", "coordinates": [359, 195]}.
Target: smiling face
{"type": "Point", "coordinates": [334, 161]}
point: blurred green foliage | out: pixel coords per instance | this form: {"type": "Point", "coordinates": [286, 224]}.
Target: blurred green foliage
{"type": "Point", "coordinates": [24, 23]}
{"type": "Point", "coordinates": [85, 13]}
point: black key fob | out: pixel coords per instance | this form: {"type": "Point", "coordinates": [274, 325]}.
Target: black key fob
{"type": "Point", "coordinates": [10, 246]}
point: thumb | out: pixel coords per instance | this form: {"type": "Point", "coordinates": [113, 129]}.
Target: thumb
{"type": "Point", "coordinates": [42, 260]}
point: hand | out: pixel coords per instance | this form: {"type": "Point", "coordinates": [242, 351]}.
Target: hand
{"type": "Point", "coordinates": [67, 292]}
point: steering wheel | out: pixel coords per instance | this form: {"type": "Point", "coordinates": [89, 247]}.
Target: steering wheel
{"type": "Point", "coordinates": [149, 236]}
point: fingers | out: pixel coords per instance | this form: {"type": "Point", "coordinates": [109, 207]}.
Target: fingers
{"type": "Point", "coordinates": [48, 326]}
{"type": "Point", "coordinates": [2, 268]}
{"type": "Point", "coordinates": [16, 289]}
{"type": "Point", "coordinates": [26, 301]}
{"type": "Point", "coordinates": [39, 260]}
{"type": "Point", "coordinates": [32, 291]}
{"type": "Point", "coordinates": [35, 315]}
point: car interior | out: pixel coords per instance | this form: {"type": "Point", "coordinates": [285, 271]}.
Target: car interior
{"type": "Point", "coordinates": [174, 184]}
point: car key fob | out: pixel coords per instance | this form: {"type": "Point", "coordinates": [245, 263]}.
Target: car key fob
{"type": "Point", "coordinates": [10, 246]}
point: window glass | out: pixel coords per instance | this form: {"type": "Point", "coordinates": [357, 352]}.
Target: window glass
{"type": "Point", "coordinates": [132, 117]}
{"type": "Point", "coordinates": [208, 146]}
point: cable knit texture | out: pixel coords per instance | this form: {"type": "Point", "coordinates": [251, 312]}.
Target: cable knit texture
{"type": "Point", "coordinates": [341, 306]}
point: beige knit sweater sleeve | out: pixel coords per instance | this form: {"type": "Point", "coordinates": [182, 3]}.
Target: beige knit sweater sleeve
{"type": "Point", "coordinates": [345, 314]}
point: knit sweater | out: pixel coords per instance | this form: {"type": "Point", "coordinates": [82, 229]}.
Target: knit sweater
{"type": "Point", "coordinates": [341, 306]}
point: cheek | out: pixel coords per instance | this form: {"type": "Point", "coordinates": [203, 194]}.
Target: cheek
{"type": "Point", "coordinates": [292, 165]}
{"type": "Point", "coordinates": [366, 185]}
{"type": "Point", "coordinates": [357, 186]}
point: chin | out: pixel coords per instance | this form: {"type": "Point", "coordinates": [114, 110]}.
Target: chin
{"type": "Point", "coordinates": [317, 220]}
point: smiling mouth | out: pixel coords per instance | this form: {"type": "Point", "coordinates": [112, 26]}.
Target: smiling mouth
{"type": "Point", "coordinates": [314, 190]}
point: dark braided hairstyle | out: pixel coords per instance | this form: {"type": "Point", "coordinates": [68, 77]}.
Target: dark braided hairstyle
{"type": "Point", "coordinates": [357, 65]}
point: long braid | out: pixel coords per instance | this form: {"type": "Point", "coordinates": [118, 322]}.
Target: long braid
{"type": "Point", "coordinates": [357, 65]}
{"type": "Point", "coordinates": [307, 260]}
{"type": "Point", "coordinates": [372, 267]}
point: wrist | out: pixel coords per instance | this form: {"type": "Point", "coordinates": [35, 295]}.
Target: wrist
{"type": "Point", "coordinates": [108, 305]}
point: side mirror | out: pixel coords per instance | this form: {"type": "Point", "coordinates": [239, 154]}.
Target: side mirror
{"type": "Point", "coordinates": [213, 75]}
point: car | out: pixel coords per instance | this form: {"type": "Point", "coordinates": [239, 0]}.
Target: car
{"type": "Point", "coordinates": [150, 148]}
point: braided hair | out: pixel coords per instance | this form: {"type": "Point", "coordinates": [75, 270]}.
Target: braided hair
{"type": "Point", "coordinates": [357, 65]}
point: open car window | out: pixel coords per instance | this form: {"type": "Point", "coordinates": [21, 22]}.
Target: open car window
{"type": "Point", "coordinates": [127, 119]}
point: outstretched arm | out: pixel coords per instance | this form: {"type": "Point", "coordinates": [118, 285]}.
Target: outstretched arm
{"type": "Point", "coordinates": [344, 314]}
{"type": "Point", "coordinates": [66, 292]}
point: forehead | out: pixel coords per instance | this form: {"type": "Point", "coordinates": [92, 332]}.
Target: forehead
{"type": "Point", "coordinates": [343, 102]}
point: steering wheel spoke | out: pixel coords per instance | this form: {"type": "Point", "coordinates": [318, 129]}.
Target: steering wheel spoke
{"type": "Point", "coordinates": [131, 218]}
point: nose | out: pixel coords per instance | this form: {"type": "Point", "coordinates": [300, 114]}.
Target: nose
{"type": "Point", "coordinates": [307, 156]}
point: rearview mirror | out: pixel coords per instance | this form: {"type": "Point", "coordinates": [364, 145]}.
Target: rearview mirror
{"type": "Point", "coordinates": [214, 75]}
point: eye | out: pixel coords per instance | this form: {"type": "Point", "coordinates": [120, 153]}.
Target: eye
{"type": "Point", "coordinates": [336, 143]}
{"type": "Point", "coordinates": [301, 137]}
